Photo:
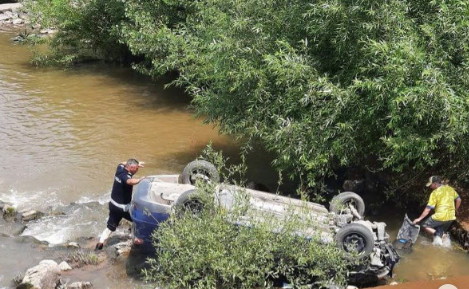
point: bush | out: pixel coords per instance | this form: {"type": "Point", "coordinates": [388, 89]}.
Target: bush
{"type": "Point", "coordinates": [86, 30]}
{"type": "Point", "coordinates": [376, 84]}
{"type": "Point", "coordinates": [207, 250]}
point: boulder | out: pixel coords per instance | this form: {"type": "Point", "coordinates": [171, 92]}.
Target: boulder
{"type": "Point", "coordinates": [30, 215]}
{"type": "Point", "coordinates": [4, 17]}
{"type": "Point", "coordinates": [9, 211]}
{"type": "Point", "coordinates": [10, 7]}
{"type": "Point", "coordinates": [73, 245]}
{"type": "Point", "coordinates": [18, 21]}
{"type": "Point", "coordinates": [64, 266]}
{"type": "Point", "coordinates": [42, 276]}
{"type": "Point", "coordinates": [123, 248]}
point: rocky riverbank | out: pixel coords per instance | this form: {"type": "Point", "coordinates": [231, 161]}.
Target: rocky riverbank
{"type": "Point", "coordinates": [13, 16]}
{"type": "Point", "coordinates": [65, 263]}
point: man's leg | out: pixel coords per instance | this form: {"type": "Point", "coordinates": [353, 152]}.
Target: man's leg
{"type": "Point", "coordinates": [115, 216]}
{"type": "Point", "coordinates": [430, 226]}
{"type": "Point", "coordinates": [429, 230]}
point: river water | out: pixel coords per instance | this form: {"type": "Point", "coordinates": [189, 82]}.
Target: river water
{"type": "Point", "coordinates": [62, 132]}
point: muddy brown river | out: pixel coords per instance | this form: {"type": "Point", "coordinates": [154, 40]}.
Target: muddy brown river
{"type": "Point", "coordinates": [62, 132]}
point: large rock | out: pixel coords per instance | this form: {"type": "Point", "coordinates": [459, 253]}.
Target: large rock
{"type": "Point", "coordinates": [43, 276]}
{"type": "Point", "coordinates": [10, 7]}
{"type": "Point", "coordinates": [64, 266]}
{"type": "Point", "coordinates": [123, 248]}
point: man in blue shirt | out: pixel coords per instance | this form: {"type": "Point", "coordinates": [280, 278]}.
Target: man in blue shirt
{"type": "Point", "coordinates": [121, 196]}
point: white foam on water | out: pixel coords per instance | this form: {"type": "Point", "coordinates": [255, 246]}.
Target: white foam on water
{"type": "Point", "coordinates": [103, 199]}
{"type": "Point", "coordinates": [57, 232]}
{"type": "Point", "coordinates": [29, 200]}
{"type": "Point", "coordinates": [83, 221]}
{"type": "Point", "coordinates": [437, 241]}
{"type": "Point", "coordinates": [444, 241]}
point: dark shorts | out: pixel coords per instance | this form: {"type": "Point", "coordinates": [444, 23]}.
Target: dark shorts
{"type": "Point", "coordinates": [115, 216]}
{"type": "Point", "coordinates": [439, 226]}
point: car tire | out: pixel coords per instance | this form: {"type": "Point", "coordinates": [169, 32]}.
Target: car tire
{"type": "Point", "coordinates": [199, 169]}
{"type": "Point", "coordinates": [189, 201]}
{"type": "Point", "coordinates": [356, 238]}
{"type": "Point", "coordinates": [342, 200]}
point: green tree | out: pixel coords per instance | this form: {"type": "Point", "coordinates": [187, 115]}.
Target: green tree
{"type": "Point", "coordinates": [323, 84]}
{"type": "Point", "coordinates": [86, 30]}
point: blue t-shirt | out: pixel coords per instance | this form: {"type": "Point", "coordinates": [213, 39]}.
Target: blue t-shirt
{"type": "Point", "coordinates": [121, 191]}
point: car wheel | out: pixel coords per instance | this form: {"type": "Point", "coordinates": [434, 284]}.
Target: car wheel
{"type": "Point", "coordinates": [347, 200]}
{"type": "Point", "coordinates": [356, 238]}
{"type": "Point", "coordinates": [189, 202]}
{"type": "Point", "coordinates": [200, 170]}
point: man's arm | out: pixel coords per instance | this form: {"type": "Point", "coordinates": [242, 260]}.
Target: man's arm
{"type": "Point", "coordinates": [425, 212]}
{"type": "Point", "coordinates": [457, 203]}
{"type": "Point", "coordinates": [133, 181]}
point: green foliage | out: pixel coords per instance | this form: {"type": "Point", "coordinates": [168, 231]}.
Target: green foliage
{"type": "Point", "coordinates": [209, 251]}
{"type": "Point", "coordinates": [9, 212]}
{"type": "Point", "coordinates": [87, 29]}
{"type": "Point", "coordinates": [322, 85]}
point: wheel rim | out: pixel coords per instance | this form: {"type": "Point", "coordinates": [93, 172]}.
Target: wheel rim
{"type": "Point", "coordinates": [193, 206]}
{"type": "Point", "coordinates": [354, 243]}
{"type": "Point", "coordinates": [199, 174]}
{"type": "Point", "coordinates": [350, 206]}
{"type": "Point", "coordinates": [352, 203]}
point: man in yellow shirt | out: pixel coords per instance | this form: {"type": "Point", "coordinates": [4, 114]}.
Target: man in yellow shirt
{"type": "Point", "coordinates": [445, 201]}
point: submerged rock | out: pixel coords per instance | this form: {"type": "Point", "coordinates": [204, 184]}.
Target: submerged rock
{"type": "Point", "coordinates": [123, 248]}
{"type": "Point", "coordinates": [73, 245]}
{"type": "Point", "coordinates": [8, 210]}
{"type": "Point", "coordinates": [30, 215]}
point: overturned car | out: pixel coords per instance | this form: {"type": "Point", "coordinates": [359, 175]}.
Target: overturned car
{"type": "Point", "coordinates": [157, 197]}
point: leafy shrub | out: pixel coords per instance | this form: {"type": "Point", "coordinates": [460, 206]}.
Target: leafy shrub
{"type": "Point", "coordinates": [217, 248]}
{"type": "Point", "coordinates": [86, 30]}
{"type": "Point", "coordinates": [321, 84]}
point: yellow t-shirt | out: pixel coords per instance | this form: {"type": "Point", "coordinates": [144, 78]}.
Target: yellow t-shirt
{"type": "Point", "coordinates": [442, 200]}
